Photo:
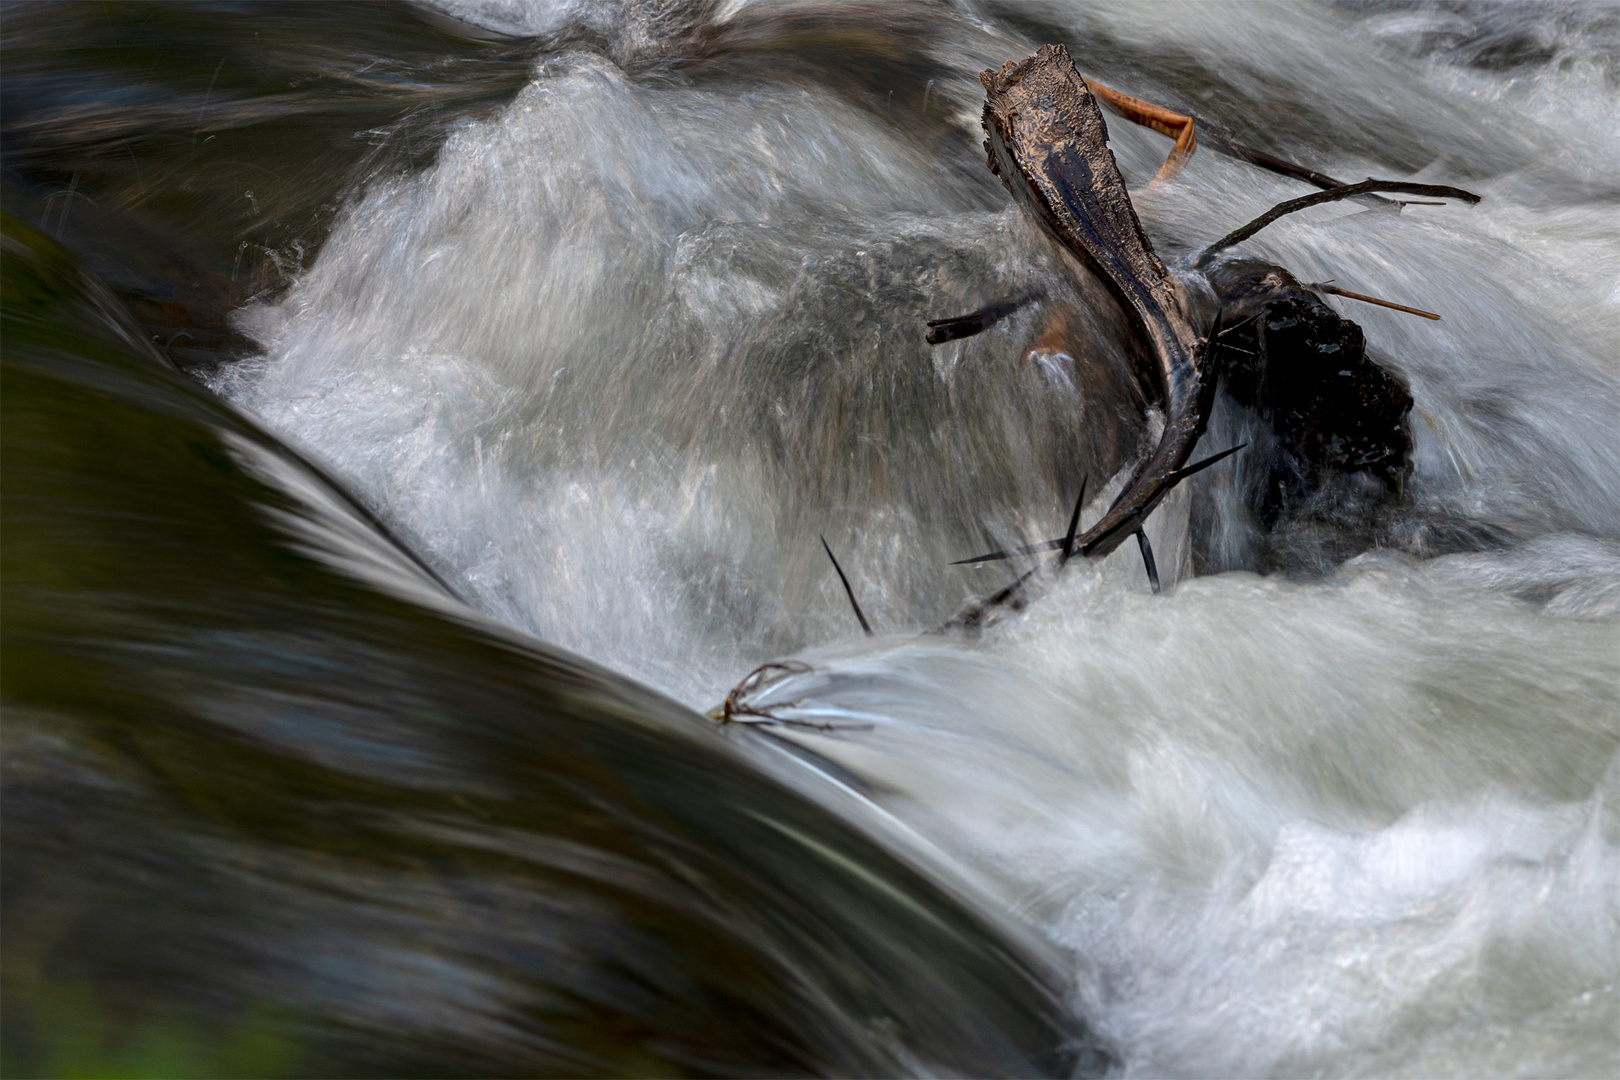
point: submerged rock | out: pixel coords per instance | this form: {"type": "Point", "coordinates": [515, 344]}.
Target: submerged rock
{"type": "Point", "coordinates": [277, 803]}
{"type": "Point", "coordinates": [1305, 369]}
{"type": "Point", "coordinates": [1339, 452]}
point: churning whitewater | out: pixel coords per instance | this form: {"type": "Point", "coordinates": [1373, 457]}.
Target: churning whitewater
{"type": "Point", "coordinates": [617, 357]}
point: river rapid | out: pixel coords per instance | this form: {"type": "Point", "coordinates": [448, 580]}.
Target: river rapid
{"type": "Point", "coordinates": [610, 352]}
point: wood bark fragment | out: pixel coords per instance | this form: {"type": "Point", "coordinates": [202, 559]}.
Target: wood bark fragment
{"type": "Point", "coordinates": [1046, 140]}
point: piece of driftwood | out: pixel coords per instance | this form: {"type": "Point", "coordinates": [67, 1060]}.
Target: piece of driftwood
{"type": "Point", "coordinates": [1046, 140]}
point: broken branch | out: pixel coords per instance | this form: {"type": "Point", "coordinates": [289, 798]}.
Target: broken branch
{"type": "Point", "coordinates": [1334, 290]}
{"type": "Point", "coordinates": [1147, 559]}
{"type": "Point", "coordinates": [1304, 202]}
{"type": "Point", "coordinates": [1074, 523]}
{"type": "Point", "coordinates": [848, 591]}
{"type": "Point", "coordinates": [974, 322]}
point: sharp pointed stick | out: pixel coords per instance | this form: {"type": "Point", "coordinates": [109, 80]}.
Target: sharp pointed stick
{"type": "Point", "coordinates": [1235, 326]}
{"type": "Point", "coordinates": [1010, 553]}
{"type": "Point", "coordinates": [990, 538]}
{"type": "Point", "coordinates": [1064, 544]}
{"type": "Point", "coordinates": [1074, 524]}
{"type": "Point", "coordinates": [1323, 286]}
{"type": "Point", "coordinates": [974, 322]}
{"type": "Point", "coordinates": [1199, 466]}
{"type": "Point", "coordinates": [1147, 559]}
{"type": "Point", "coordinates": [975, 615]}
{"type": "Point", "coordinates": [849, 592]}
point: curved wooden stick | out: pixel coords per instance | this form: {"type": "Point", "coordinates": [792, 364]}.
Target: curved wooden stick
{"type": "Point", "coordinates": [1155, 118]}
{"type": "Point", "coordinates": [1304, 202]}
{"type": "Point", "coordinates": [1181, 128]}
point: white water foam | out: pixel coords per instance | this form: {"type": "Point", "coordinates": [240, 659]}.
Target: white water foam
{"type": "Point", "coordinates": [619, 355]}
{"type": "Point", "coordinates": [1266, 862]}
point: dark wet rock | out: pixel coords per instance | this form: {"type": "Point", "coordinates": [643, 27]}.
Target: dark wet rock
{"type": "Point", "coordinates": [1338, 417]}
{"type": "Point", "coordinates": [267, 816]}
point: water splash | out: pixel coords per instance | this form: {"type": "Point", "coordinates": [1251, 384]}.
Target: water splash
{"type": "Point", "coordinates": [619, 356]}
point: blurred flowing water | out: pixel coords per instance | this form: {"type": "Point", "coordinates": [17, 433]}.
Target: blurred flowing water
{"type": "Point", "coordinates": [578, 324]}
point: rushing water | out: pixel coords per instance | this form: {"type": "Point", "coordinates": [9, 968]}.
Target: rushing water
{"type": "Point", "coordinates": [608, 317]}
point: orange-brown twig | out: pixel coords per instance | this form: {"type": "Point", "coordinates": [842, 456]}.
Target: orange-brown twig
{"type": "Point", "coordinates": [1328, 287]}
{"type": "Point", "coordinates": [1155, 118]}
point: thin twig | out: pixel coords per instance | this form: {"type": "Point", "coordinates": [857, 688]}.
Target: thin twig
{"type": "Point", "coordinates": [1323, 286]}
{"type": "Point", "coordinates": [1008, 553]}
{"type": "Point", "coordinates": [1197, 467]}
{"type": "Point", "coordinates": [1332, 195]}
{"type": "Point", "coordinates": [849, 592]}
{"type": "Point", "coordinates": [1236, 326]}
{"type": "Point", "coordinates": [1147, 559]}
{"type": "Point", "coordinates": [1074, 523]}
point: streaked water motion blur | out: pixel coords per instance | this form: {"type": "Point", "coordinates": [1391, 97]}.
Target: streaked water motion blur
{"type": "Point", "coordinates": [542, 330]}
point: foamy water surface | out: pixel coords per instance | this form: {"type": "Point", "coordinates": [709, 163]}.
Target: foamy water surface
{"type": "Point", "coordinates": [616, 359]}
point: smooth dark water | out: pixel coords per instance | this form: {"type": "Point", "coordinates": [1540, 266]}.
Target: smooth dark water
{"type": "Point", "coordinates": [366, 367]}
{"type": "Point", "coordinates": [260, 817]}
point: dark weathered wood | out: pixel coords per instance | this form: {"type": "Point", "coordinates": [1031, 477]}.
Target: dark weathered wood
{"type": "Point", "coordinates": [974, 322]}
{"type": "Point", "coordinates": [1046, 139]}
{"type": "Point", "coordinates": [1334, 411]}
{"type": "Point", "coordinates": [1148, 564]}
